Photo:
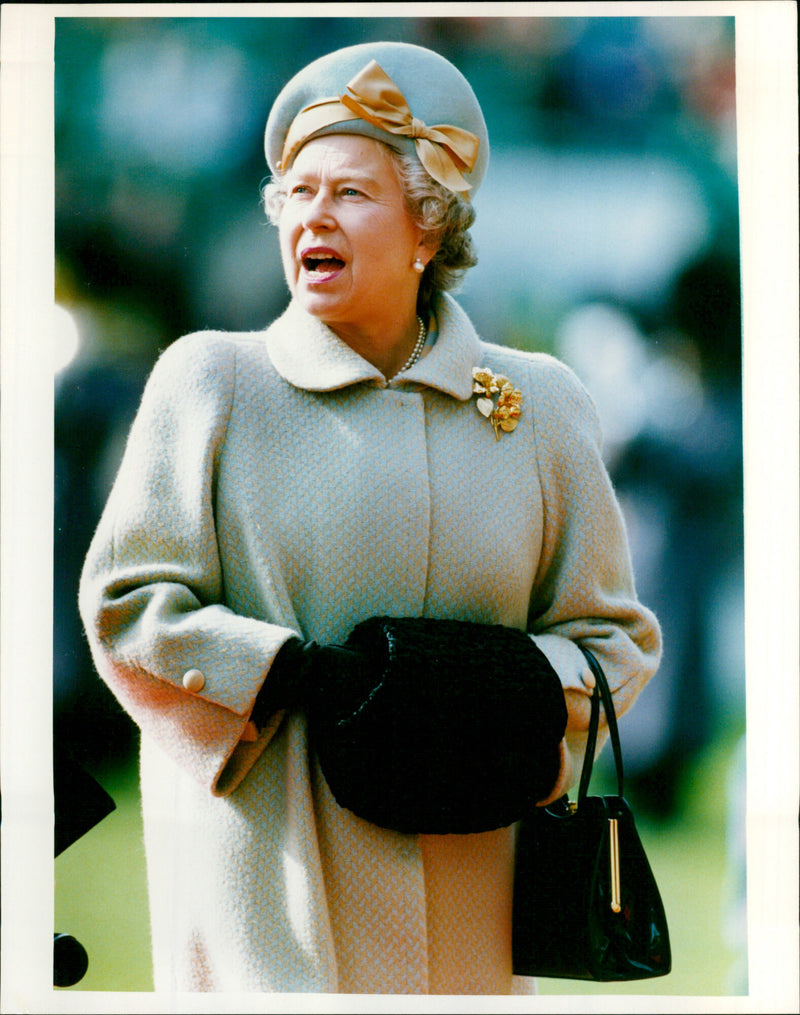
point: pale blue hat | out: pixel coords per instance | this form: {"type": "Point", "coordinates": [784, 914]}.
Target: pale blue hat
{"type": "Point", "coordinates": [404, 95]}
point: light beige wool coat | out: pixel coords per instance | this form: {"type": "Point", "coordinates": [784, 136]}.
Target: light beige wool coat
{"type": "Point", "coordinates": [275, 484]}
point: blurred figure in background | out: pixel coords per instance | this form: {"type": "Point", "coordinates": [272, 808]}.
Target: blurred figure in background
{"type": "Point", "coordinates": [694, 469]}
{"type": "Point", "coordinates": [96, 395]}
{"type": "Point", "coordinates": [671, 407]}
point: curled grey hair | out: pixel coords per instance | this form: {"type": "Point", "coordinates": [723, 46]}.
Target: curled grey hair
{"type": "Point", "coordinates": [445, 218]}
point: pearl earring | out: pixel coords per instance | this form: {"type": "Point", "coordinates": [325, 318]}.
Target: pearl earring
{"type": "Point", "coordinates": [419, 266]}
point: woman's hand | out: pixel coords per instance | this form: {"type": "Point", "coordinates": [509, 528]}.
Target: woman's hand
{"type": "Point", "coordinates": [302, 671]}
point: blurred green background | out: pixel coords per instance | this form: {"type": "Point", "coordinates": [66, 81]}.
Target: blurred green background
{"type": "Point", "coordinates": [607, 233]}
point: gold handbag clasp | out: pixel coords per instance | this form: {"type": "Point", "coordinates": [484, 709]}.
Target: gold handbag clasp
{"type": "Point", "coordinates": [613, 851]}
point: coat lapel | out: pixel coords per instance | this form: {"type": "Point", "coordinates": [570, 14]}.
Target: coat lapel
{"type": "Point", "coordinates": [307, 354]}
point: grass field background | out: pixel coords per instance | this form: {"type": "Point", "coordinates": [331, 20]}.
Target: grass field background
{"type": "Point", "coordinates": [101, 896]}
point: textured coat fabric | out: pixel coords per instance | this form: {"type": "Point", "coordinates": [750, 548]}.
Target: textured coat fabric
{"type": "Point", "coordinates": [275, 484]}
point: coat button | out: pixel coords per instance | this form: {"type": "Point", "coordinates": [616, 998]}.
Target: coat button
{"type": "Point", "coordinates": [193, 680]}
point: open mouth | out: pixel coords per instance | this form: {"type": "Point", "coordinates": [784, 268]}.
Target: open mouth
{"type": "Point", "coordinates": [321, 263]}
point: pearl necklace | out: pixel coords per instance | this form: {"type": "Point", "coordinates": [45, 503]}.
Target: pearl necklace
{"type": "Point", "coordinates": [420, 345]}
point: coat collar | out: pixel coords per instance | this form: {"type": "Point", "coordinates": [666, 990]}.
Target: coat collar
{"type": "Point", "coordinates": [309, 355]}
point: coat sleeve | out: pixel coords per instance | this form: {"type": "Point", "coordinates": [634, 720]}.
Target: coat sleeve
{"type": "Point", "coordinates": [184, 665]}
{"type": "Point", "coordinates": [584, 589]}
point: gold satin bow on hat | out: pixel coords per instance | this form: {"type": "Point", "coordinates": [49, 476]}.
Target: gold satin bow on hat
{"type": "Point", "coordinates": [443, 150]}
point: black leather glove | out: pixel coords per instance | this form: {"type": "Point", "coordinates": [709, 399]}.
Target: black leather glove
{"type": "Point", "coordinates": [303, 671]}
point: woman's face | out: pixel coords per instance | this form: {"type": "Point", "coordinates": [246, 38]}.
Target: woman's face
{"type": "Point", "coordinates": [347, 242]}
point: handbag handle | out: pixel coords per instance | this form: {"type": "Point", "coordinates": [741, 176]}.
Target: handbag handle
{"type": "Point", "coordinates": [601, 692]}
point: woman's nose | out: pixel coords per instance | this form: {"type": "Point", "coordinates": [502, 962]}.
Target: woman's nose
{"type": "Point", "coordinates": [318, 213]}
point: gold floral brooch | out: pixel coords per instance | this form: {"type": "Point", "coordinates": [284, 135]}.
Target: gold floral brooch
{"type": "Point", "coordinates": [503, 413]}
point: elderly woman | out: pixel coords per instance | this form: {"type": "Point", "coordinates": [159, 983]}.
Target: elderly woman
{"type": "Point", "coordinates": [364, 500]}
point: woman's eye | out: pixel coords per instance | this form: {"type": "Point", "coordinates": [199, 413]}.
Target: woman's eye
{"type": "Point", "coordinates": [350, 192]}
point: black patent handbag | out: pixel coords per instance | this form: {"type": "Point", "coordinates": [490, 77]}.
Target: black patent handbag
{"type": "Point", "coordinates": [586, 903]}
